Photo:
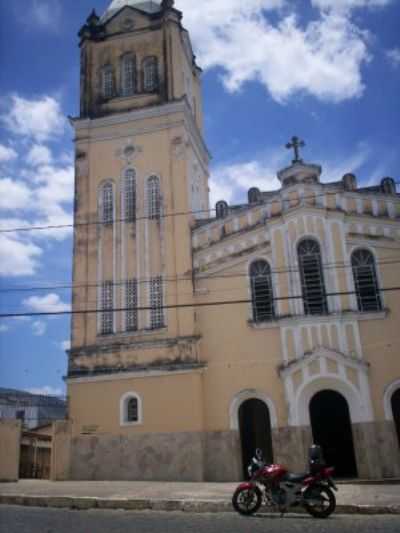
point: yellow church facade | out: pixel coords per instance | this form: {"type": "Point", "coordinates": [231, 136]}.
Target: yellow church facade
{"type": "Point", "coordinates": [201, 334]}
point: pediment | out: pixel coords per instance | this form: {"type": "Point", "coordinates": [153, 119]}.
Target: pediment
{"type": "Point", "coordinates": [326, 354]}
{"type": "Point", "coordinates": [127, 19]}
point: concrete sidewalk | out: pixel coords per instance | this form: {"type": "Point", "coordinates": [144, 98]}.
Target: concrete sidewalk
{"type": "Point", "coordinates": [168, 496]}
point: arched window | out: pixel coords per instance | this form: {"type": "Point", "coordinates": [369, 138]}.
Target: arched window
{"type": "Point", "coordinates": [366, 281]}
{"type": "Point", "coordinates": [130, 409]}
{"type": "Point", "coordinates": [128, 75]}
{"type": "Point", "coordinates": [221, 209]}
{"type": "Point", "coordinates": [106, 206]}
{"type": "Point", "coordinates": [107, 82]}
{"type": "Point", "coordinates": [312, 277]}
{"type": "Point", "coordinates": [107, 304]}
{"type": "Point", "coordinates": [261, 291]}
{"type": "Point", "coordinates": [130, 195]}
{"type": "Point", "coordinates": [150, 74]}
{"type": "Point", "coordinates": [153, 198]}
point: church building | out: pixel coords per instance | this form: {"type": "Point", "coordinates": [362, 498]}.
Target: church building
{"type": "Point", "coordinates": [202, 332]}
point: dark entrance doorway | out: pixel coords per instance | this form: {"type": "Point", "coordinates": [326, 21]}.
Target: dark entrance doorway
{"type": "Point", "coordinates": [396, 412]}
{"type": "Point", "coordinates": [255, 431]}
{"type": "Point", "coordinates": [331, 428]}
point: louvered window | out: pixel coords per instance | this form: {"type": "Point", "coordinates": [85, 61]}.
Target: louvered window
{"type": "Point", "coordinates": [107, 204]}
{"type": "Point", "coordinates": [153, 197]}
{"type": "Point", "coordinates": [130, 195]}
{"type": "Point", "coordinates": [150, 74]}
{"type": "Point", "coordinates": [312, 278]}
{"type": "Point", "coordinates": [128, 75]}
{"type": "Point", "coordinates": [131, 302]}
{"type": "Point", "coordinates": [108, 82]}
{"type": "Point", "coordinates": [366, 281]}
{"type": "Point", "coordinates": [261, 291]}
{"type": "Point", "coordinates": [107, 301]}
{"type": "Point", "coordinates": [156, 303]}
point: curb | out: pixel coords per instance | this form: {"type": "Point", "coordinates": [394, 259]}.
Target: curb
{"type": "Point", "coordinates": [189, 506]}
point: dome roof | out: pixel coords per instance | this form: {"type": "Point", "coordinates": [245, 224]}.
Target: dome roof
{"type": "Point", "coordinates": [148, 6]}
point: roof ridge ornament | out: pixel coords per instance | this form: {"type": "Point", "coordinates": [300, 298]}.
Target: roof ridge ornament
{"type": "Point", "coordinates": [296, 144]}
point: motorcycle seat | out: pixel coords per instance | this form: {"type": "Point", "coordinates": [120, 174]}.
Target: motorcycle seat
{"type": "Point", "coordinates": [296, 478]}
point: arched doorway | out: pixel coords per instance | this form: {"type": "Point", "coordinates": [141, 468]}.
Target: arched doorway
{"type": "Point", "coordinates": [395, 401]}
{"type": "Point", "coordinates": [255, 431]}
{"type": "Point", "coordinates": [331, 428]}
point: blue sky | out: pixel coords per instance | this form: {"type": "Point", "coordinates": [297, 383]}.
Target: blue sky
{"type": "Point", "coordinates": [326, 70]}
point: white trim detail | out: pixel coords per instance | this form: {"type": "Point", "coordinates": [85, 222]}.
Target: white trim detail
{"type": "Point", "coordinates": [387, 397]}
{"type": "Point", "coordinates": [123, 404]}
{"type": "Point", "coordinates": [249, 394]}
{"type": "Point", "coordinates": [130, 375]}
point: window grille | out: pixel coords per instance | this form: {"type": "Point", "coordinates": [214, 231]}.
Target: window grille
{"type": "Point", "coordinates": [366, 281]}
{"type": "Point", "coordinates": [261, 291]}
{"type": "Point", "coordinates": [150, 74]}
{"type": "Point", "coordinates": [130, 195]}
{"type": "Point", "coordinates": [107, 301]}
{"type": "Point", "coordinates": [107, 204]}
{"type": "Point", "coordinates": [153, 197]}
{"type": "Point", "coordinates": [131, 303]}
{"type": "Point", "coordinates": [128, 75]}
{"type": "Point", "coordinates": [312, 278]}
{"type": "Point", "coordinates": [156, 303]}
{"type": "Point", "coordinates": [132, 410]}
{"type": "Point", "coordinates": [108, 82]}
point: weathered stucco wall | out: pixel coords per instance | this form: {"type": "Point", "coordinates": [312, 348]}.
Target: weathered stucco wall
{"type": "Point", "coordinates": [61, 450]}
{"type": "Point", "coordinates": [10, 439]}
{"type": "Point", "coordinates": [155, 457]}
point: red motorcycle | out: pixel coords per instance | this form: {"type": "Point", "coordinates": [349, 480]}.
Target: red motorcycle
{"type": "Point", "coordinates": [274, 486]}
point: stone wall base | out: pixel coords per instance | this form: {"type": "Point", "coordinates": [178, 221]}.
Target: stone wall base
{"type": "Point", "coordinates": [216, 456]}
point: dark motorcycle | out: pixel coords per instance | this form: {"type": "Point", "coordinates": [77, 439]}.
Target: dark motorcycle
{"type": "Point", "coordinates": [274, 486]}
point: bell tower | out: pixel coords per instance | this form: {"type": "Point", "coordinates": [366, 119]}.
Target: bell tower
{"type": "Point", "coordinates": [141, 183]}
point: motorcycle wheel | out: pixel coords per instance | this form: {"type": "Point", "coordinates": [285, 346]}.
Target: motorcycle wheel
{"type": "Point", "coordinates": [247, 501]}
{"type": "Point", "coordinates": [327, 505]}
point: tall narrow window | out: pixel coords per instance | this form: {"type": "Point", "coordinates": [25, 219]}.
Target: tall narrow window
{"type": "Point", "coordinates": [366, 281]}
{"type": "Point", "coordinates": [153, 197]}
{"type": "Point", "coordinates": [156, 303]}
{"type": "Point", "coordinates": [132, 410]}
{"type": "Point", "coordinates": [261, 291]}
{"type": "Point", "coordinates": [312, 278]}
{"type": "Point", "coordinates": [107, 82]}
{"type": "Point", "coordinates": [130, 195]}
{"type": "Point", "coordinates": [150, 74]}
{"type": "Point", "coordinates": [131, 302]}
{"type": "Point", "coordinates": [128, 75]}
{"type": "Point", "coordinates": [107, 204]}
{"type": "Point", "coordinates": [107, 316]}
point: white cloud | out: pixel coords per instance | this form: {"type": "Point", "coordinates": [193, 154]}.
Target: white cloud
{"type": "Point", "coordinates": [50, 303]}
{"type": "Point", "coordinates": [14, 195]}
{"type": "Point", "coordinates": [40, 119]}
{"type": "Point", "coordinates": [39, 328]}
{"type": "Point", "coordinates": [18, 257]}
{"type": "Point", "coordinates": [39, 155]}
{"type": "Point", "coordinates": [65, 345]}
{"type": "Point", "coordinates": [231, 181]}
{"type": "Point", "coordinates": [4, 328]}
{"type": "Point", "coordinates": [46, 13]}
{"type": "Point", "coordinates": [7, 154]}
{"type": "Point", "coordinates": [324, 58]}
{"type": "Point", "coordinates": [47, 390]}
{"type": "Point", "coordinates": [349, 4]}
{"type": "Point", "coordinates": [393, 56]}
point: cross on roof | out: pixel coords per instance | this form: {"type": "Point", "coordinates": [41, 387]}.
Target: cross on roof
{"type": "Point", "coordinates": [296, 144]}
